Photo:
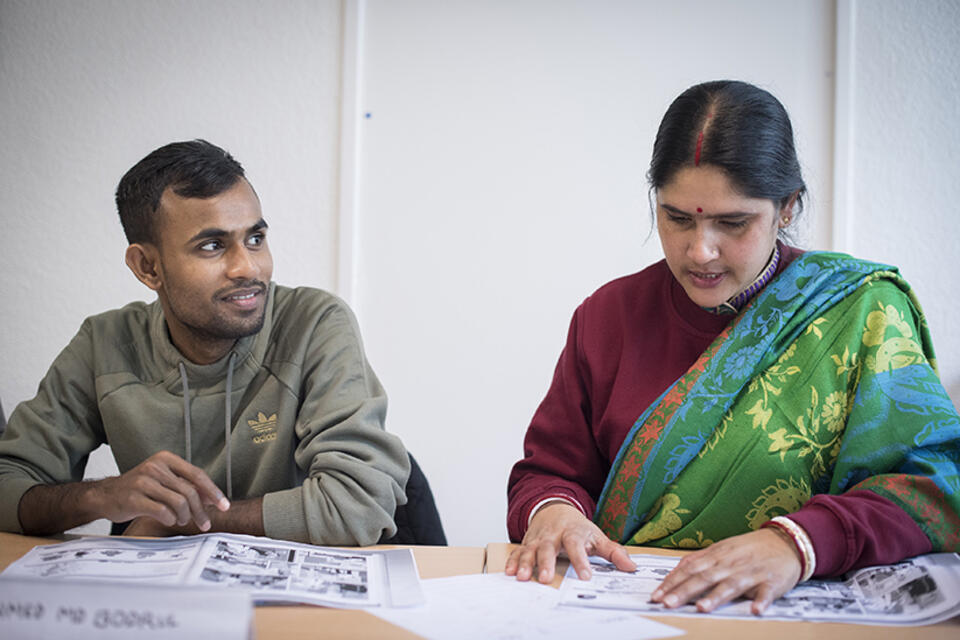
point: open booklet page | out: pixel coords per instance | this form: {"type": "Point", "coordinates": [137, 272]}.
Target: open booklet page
{"type": "Point", "coordinates": [272, 571]}
{"type": "Point", "coordinates": [922, 590]}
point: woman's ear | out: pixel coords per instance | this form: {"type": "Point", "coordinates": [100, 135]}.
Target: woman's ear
{"type": "Point", "coordinates": [144, 260]}
{"type": "Point", "coordinates": [786, 211]}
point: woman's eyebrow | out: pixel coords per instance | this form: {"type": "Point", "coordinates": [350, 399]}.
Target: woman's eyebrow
{"type": "Point", "coordinates": [711, 216]}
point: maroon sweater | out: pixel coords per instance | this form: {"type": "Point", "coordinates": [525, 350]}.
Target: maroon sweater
{"type": "Point", "coordinates": [627, 343]}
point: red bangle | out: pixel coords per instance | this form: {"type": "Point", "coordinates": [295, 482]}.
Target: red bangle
{"type": "Point", "coordinates": [800, 541]}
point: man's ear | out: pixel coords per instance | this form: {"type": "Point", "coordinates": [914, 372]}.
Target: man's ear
{"type": "Point", "coordinates": [144, 260]}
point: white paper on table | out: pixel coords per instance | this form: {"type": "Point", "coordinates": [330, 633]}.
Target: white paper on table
{"type": "Point", "coordinates": [917, 591]}
{"type": "Point", "coordinates": [498, 607]}
{"type": "Point", "coordinates": [272, 571]}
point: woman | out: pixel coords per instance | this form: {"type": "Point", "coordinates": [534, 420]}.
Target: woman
{"type": "Point", "coordinates": [791, 422]}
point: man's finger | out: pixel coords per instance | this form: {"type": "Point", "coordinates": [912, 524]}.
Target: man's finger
{"type": "Point", "coordinates": [208, 491]}
{"type": "Point", "coordinates": [170, 499]}
{"type": "Point", "coordinates": [196, 510]}
{"type": "Point", "coordinates": [179, 494]}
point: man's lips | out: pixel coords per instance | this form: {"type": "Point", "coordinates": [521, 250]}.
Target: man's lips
{"type": "Point", "coordinates": [244, 297]}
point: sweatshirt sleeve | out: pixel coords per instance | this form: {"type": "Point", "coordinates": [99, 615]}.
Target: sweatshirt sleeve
{"type": "Point", "coordinates": [355, 471]}
{"type": "Point", "coordinates": [858, 529]}
{"type": "Point", "coordinates": [49, 437]}
{"type": "Point", "coordinates": [560, 454]}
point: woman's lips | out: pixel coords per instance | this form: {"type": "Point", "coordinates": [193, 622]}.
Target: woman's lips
{"type": "Point", "coordinates": [705, 279]}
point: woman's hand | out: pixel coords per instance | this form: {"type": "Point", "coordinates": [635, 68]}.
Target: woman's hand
{"type": "Point", "coordinates": [559, 526]}
{"type": "Point", "coordinates": [761, 565]}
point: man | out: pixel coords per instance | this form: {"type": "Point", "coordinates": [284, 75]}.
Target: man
{"type": "Point", "coordinates": [230, 403]}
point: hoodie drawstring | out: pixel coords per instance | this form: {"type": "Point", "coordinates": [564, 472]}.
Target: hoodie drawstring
{"type": "Point", "coordinates": [228, 423]}
{"type": "Point", "coordinates": [186, 411]}
{"type": "Point", "coordinates": [228, 419]}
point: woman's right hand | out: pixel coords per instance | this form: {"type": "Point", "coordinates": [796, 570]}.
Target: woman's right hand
{"type": "Point", "coordinates": [559, 526]}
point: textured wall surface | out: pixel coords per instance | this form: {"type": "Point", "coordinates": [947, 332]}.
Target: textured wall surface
{"type": "Point", "coordinates": [503, 182]}
{"type": "Point", "coordinates": [906, 157]}
{"type": "Point", "coordinates": [573, 91]}
{"type": "Point", "coordinates": [88, 88]}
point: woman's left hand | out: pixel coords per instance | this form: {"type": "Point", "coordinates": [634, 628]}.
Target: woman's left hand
{"type": "Point", "coordinates": [761, 565]}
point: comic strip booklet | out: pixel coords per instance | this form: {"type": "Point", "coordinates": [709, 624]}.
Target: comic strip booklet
{"type": "Point", "coordinates": [918, 591]}
{"type": "Point", "coordinates": [273, 571]}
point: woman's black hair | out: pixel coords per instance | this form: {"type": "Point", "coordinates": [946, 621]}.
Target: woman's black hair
{"type": "Point", "coordinates": [736, 127]}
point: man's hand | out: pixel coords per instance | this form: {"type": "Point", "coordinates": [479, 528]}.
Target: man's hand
{"type": "Point", "coordinates": [243, 516]}
{"type": "Point", "coordinates": [147, 527]}
{"type": "Point", "coordinates": [761, 565]}
{"type": "Point", "coordinates": [556, 527]}
{"type": "Point", "coordinates": [164, 487]}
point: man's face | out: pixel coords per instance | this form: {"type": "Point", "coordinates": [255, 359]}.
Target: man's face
{"type": "Point", "coordinates": [213, 269]}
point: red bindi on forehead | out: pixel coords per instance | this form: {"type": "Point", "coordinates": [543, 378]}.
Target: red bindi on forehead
{"type": "Point", "coordinates": [699, 209]}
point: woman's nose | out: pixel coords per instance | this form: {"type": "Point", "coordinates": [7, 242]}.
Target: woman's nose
{"type": "Point", "coordinates": [703, 247]}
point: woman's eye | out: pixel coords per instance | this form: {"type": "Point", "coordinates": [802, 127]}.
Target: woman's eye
{"type": "Point", "coordinates": [734, 224]}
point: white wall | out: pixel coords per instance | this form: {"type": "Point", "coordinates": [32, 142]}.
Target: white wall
{"type": "Point", "coordinates": [502, 181]}
{"type": "Point", "coordinates": [88, 88]}
{"type": "Point", "coordinates": [501, 171]}
{"type": "Point", "coordinates": [905, 155]}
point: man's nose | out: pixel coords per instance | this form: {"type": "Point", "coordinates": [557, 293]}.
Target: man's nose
{"type": "Point", "coordinates": [241, 264]}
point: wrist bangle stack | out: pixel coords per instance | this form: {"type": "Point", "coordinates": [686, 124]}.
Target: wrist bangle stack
{"type": "Point", "coordinates": [808, 559]}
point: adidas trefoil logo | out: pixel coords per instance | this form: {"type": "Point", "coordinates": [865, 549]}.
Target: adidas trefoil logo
{"type": "Point", "coordinates": [264, 428]}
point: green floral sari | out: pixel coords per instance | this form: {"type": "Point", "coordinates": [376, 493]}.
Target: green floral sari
{"type": "Point", "coordinates": [825, 383]}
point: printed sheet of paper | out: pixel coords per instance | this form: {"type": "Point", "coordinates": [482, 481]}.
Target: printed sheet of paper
{"type": "Point", "coordinates": [270, 570]}
{"type": "Point", "coordinates": [116, 559]}
{"type": "Point", "coordinates": [498, 607]}
{"type": "Point", "coordinates": [922, 590]}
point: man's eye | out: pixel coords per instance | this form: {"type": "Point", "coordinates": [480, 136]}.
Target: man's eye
{"type": "Point", "coordinates": [212, 245]}
{"type": "Point", "coordinates": [256, 240]}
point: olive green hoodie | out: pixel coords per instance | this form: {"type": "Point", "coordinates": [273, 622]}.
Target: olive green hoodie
{"type": "Point", "coordinates": [305, 414]}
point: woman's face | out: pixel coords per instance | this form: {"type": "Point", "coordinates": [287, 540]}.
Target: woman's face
{"type": "Point", "coordinates": [716, 240]}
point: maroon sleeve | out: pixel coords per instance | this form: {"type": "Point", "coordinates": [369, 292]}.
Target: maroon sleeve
{"type": "Point", "coordinates": [560, 454]}
{"type": "Point", "coordinates": [858, 529]}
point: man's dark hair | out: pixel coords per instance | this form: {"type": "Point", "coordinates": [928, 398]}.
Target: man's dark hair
{"type": "Point", "coordinates": [734, 126]}
{"type": "Point", "coordinates": [194, 169]}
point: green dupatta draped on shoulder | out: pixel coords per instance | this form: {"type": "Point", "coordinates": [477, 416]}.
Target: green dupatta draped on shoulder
{"type": "Point", "coordinates": [825, 383]}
